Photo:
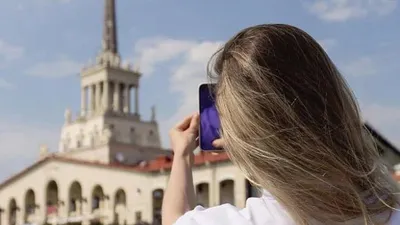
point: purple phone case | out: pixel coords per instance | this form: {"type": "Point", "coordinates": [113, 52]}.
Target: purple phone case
{"type": "Point", "coordinates": [209, 119]}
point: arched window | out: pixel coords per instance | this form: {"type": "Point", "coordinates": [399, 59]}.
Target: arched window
{"type": "Point", "coordinates": [251, 190]}
{"type": "Point", "coordinates": [97, 198]}
{"type": "Point", "coordinates": [157, 204]}
{"type": "Point", "coordinates": [75, 198]}
{"type": "Point", "coordinates": [52, 198]}
{"type": "Point", "coordinates": [12, 212]}
{"type": "Point", "coordinates": [227, 192]}
{"type": "Point", "coordinates": [120, 207]}
{"type": "Point", "coordinates": [202, 194]}
{"type": "Point", "coordinates": [30, 205]}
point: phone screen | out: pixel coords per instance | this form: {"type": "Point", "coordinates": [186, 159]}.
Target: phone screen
{"type": "Point", "coordinates": [209, 119]}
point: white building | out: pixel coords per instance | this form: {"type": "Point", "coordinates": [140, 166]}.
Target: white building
{"type": "Point", "coordinates": [110, 167]}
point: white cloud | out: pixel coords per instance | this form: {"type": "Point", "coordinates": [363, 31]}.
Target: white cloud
{"type": "Point", "coordinates": [343, 10]}
{"type": "Point", "coordinates": [364, 66]}
{"type": "Point", "coordinates": [19, 144]}
{"type": "Point", "coordinates": [55, 69]}
{"type": "Point", "coordinates": [9, 52]}
{"type": "Point", "coordinates": [157, 50]}
{"type": "Point", "coordinates": [190, 71]}
{"type": "Point", "coordinates": [186, 79]}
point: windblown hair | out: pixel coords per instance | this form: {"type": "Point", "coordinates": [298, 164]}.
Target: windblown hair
{"type": "Point", "coordinates": [292, 125]}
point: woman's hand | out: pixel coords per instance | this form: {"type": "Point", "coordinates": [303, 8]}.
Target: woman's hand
{"type": "Point", "coordinates": [184, 136]}
{"type": "Point", "coordinates": [219, 143]}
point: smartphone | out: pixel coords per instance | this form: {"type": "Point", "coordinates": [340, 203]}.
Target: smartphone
{"type": "Point", "coordinates": [209, 118]}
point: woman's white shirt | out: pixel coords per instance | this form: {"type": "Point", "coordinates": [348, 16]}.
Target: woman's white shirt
{"type": "Point", "coordinates": [258, 211]}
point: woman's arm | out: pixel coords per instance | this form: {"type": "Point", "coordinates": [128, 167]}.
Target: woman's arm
{"type": "Point", "coordinates": [179, 196]}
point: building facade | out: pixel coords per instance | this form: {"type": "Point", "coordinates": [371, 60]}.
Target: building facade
{"type": "Point", "coordinates": [110, 167]}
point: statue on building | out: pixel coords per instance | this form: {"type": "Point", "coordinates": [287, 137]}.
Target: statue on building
{"type": "Point", "coordinates": [43, 151]}
{"type": "Point", "coordinates": [68, 116]}
{"type": "Point", "coordinates": [153, 113]}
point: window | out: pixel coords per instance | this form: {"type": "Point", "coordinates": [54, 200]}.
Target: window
{"type": "Point", "coordinates": [158, 194]}
{"type": "Point", "coordinates": [96, 203]}
{"type": "Point", "coordinates": [78, 144]}
{"type": "Point", "coordinates": [251, 191]}
{"type": "Point", "coordinates": [138, 216]}
{"type": "Point", "coordinates": [151, 133]}
{"type": "Point", "coordinates": [200, 188]}
{"type": "Point", "coordinates": [1, 211]}
{"type": "Point", "coordinates": [132, 130]}
{"type": "Point", "coordinates": [13, 216]}
{"type": "Point", "coordinates": [30, 209]}
{"type": "Point", "coordinates": [120, 197]}
{"type": "Point", "coordinates": [72, 206]}
{"type": "Point", "coordinates": [111, 126]}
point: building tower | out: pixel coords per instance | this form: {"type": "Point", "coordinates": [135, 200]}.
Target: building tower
{"type": "Point", "coordinates": [107, 129]}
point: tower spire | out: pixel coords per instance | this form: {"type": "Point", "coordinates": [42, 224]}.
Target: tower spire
{"type": "Point", "coordinates": [110, 42]}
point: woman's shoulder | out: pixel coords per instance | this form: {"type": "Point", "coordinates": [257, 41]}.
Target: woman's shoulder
{"type": "Point", "coordinates": [262, 210]}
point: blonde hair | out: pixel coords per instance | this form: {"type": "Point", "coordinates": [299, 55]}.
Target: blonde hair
{"type": "Point", "coordinates": [292, 125]}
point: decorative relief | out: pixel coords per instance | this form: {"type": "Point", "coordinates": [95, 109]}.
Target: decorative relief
{"type": "Point", "coordinates": [68, 116]}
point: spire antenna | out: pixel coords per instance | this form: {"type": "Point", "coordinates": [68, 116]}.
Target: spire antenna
{"type": "Point", "coordinates": [110, 41]}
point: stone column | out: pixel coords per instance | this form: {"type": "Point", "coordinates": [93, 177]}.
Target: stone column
{"type": "Point", "coordinates": [83, 101]}
{"type": "Point", "coordinates": [78, 206]}
{"type": "Point", "coordinates": [137, 100]}
{"type": "Point", "coordinates": [86, 206]}
{"type": "Point", "coordinates": [98, 97]}
{"type": "Point", "coordinates": [63, 206]}
{"type": "Point", "coordinates": [108, 209]}
{"type": "Point", "coordinates": [106, 100]}
{"type": "Point", "coordinates": [214, 187]}
{"type": "Point", "coordinates": [92, 100]}
{"type": "Point", "coordinates": [117, 98]}
{"type": "Point", "coordinates": [127, 98]}
{"type": "Point", "coordinates": [20, 215]}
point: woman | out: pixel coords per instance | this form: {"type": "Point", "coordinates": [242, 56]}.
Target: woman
{"type": "Point", "coordinates": [291, 124]}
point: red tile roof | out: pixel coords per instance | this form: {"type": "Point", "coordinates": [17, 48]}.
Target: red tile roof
{"type": "Point", "coordinates": [165, 162]}
{"type": "Point", "coordinates": [158, 164]}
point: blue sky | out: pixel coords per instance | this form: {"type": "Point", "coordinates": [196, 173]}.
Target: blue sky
{"type": "Point", "coordinates": [44, 43]}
